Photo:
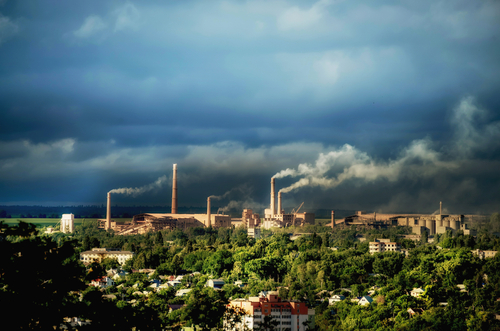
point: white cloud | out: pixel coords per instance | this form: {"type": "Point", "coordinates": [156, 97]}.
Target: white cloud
{"type": "Point", "coordinates": [295, 18]}
{"type": "Point", "coordinates": [122, 18]}
{"type": "Point", "coordinates": [126, 17]}
{"type": "Point", "coordinates": [91, 26]}
{"type": "Point", "coordinates": [7, 28]}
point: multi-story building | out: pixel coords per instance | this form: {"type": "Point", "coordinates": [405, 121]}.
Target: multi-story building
{"type": "Point", "coordinates": [68, 223]}
{"type": "Point", "coordinates": [384, 245]}
{"type": "Point", "coordinates": [484, 254]}
{"type": "Point", "coordinates": [290, 315]}
{"type": "Point", "coordinates": [99, 254]}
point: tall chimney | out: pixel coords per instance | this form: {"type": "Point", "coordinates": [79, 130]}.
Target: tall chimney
{"type": "Point", "coordinates": [174, 190]}
{"type": "Point", "coordinates": [333, 219]}
{"type": "Point", "coordinates": [440, 208]}
{"type": "Point", "coordinates": [209, 221]}
{"type": "Point", "coordinates": [107, 226]}
{"type": "Point", "coordinates": [279, 203]}
{"type": "Point", "coordinates": [273, 208]}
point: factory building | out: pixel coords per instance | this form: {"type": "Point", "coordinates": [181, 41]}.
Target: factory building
{"type": "Point", "coordinates": [279, 218]}
{"type": "Point", "coordinates": [432, 224]}
{"type": "Point", "coordinates": [151, 222]}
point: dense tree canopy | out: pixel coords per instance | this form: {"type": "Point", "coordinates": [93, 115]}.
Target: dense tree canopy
{"type": "Point", "coordinates": [47, 270]}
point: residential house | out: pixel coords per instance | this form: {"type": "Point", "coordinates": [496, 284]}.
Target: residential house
{"type": "Point", "coordinates": [182, 292]}
{"type": "Point", "coordinates": [215, 283]}
{"type": "Point", "coordinates": [365, 300]}
{"type": "Point", "coordinates": [174, 283]}
{"type": "Point", "coordinates": [335, 298]}
{"type": "Point", "coordinates": [103, 282]}
{"type": "Point", "coordinates": [416, 292]}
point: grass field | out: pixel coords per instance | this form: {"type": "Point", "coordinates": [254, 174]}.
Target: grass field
{"type": "Point", "coordinates": [43, 222]}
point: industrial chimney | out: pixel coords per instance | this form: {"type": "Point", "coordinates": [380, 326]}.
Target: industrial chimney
{"type": "Point", "coordinates": [440, 208]}
{"type": "Point", "coordinates": [279, 203]}
{"type": "Point", "coordinates": [174, 190]}
{"type": "Point", "coordinates": [273, 209]}
{"type": "Point", "coordinates": [333, 219]}
{"type": "Point", "coordinates": [209, 222]}
{"type": "Point", "coordinates": [107, 226]}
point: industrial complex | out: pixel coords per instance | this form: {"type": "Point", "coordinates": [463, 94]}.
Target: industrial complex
{"type": "Point", "coordinates": [151, 222]}
{"type": "Point", "coordinates": [275, 216]}
{"type": "Point", "coordinates": [432, 224]}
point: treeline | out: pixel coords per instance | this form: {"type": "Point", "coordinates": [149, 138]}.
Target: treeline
{"type": "Point", "coordinates": [92, 211]}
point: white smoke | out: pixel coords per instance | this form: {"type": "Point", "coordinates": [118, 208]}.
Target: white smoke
{"type": "Point", "coordinates": [418, 160]}
{"type": "Point", "coordinates": [467, 117]}
{"type": "Point", "coordinates": [349, 163]}
{"type": "Point", "coordinates": [140, 190]}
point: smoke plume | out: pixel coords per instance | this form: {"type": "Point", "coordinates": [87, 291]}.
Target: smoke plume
{"type": "Point", "coordinates": [243, 189]}
{"type": "Point", "coordinates": [140, 190]}
{"type": "Point", "coordinates": [417, 161]}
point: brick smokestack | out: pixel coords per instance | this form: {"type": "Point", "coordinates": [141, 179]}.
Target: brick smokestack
{"type": "Point", "coordinates": [273, 208]}
{"type": "Point", "coordinates": [279, 203]}
{"type": "Point", "coordinates": [174, 191]}
{"type": "Point", "coordinates": [333, 219]}
{"type": "Point", "coordinates": [209, 222]}
{"type": "Point", "coordinates": [440, 208]}
{"type": "Point", "coordinates": [107, 226]}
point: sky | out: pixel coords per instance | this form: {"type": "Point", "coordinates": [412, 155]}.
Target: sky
{"type": "Point", "coordinates": [379, 106]}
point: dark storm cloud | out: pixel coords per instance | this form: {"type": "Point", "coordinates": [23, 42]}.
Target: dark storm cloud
{"type": "Point", "coordinates": [110, 94]}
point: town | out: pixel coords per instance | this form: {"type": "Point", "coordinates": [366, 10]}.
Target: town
{"type": "Point", "coordinates": [287, 272]}
{"type": "Point", "coordinates": [231, 165]}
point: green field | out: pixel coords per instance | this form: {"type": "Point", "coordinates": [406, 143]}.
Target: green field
{"type": "Point", "coordinates": [44, 222]}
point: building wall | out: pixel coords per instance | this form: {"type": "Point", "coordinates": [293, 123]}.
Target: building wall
{"type": "Point", "coordinates": [290, 315]}
{"type": "Point", "coordinates": [384, 245]}
{"type": "Point", "coordinates": [67, 223]}
{"type": "Point", "coordinates": [99, 254]}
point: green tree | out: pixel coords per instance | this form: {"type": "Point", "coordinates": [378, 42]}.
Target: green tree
{"type": "Point", "coordinates": [425, 237]}
{"type": "Point", "coordinates": [204, 308]}
{"type": "Point", "coordinates": [268, 324]}
{"type": "Point", "coordinates": [38, 278]}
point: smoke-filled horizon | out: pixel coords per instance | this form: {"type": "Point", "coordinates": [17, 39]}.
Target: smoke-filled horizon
{"type": "Point", "coordinates": [419, 161]}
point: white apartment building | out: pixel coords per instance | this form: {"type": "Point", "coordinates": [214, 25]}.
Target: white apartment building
{"type": "Point", "coordinates": [384, 245]}
{"type": "Point", "coordinates": [68, 223]}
